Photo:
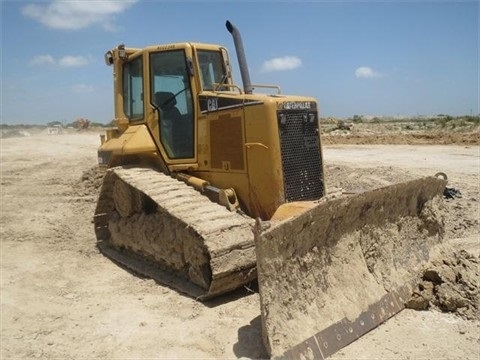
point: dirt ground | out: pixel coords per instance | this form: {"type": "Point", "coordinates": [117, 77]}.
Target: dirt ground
{"type": "Point", "coordinates": [60, 298]}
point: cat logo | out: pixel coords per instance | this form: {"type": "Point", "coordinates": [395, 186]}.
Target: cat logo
{"type": "Point", "coordinates": [212, 104]}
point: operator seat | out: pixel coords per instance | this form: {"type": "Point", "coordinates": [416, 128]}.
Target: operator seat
{"type": "Point", "coordinates": [173, 129]}
{"type": "Point", "coordinates": [166, 101]}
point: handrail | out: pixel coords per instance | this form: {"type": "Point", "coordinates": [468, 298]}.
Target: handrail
{"type": "Point", "coordinates": [216, 86]}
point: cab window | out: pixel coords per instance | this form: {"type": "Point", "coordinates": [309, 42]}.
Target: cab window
{"type": "Point", "coordinates": [171, 96]}
{"type": "Point", "coordinates": [211, 69]}
{"type": "Point", "coordinates": [133, 89]}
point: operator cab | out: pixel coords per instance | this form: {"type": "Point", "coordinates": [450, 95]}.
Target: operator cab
{"type": "Point", "coordinates": [168, 75]}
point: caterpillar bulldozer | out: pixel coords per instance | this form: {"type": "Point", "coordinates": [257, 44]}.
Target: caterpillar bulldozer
{"type": "Point", "coordinates": [209, 183]}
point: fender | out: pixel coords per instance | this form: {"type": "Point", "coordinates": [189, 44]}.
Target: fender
{"type": "Point", "coordinates": [135, 141]}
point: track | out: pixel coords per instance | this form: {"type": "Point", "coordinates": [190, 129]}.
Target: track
{"type": "Point", "coordinates": [160, 227]}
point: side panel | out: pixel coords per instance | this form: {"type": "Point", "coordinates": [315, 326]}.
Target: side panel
{"type": "Point", "coordinates": [221, 143]}
{"type": "Point", "coordinates": [239, 147]}
{"type": "Point", "coordinates": [266, 191]}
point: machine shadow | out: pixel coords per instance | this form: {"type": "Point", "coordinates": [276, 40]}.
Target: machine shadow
{"type": "Point", "coordinates": [250, 344]}
{"type": "Point", "coordinates": [142, 269]}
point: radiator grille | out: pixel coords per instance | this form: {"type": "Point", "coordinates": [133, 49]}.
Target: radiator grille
{"type": "Point", "coordinates": [301, 159]}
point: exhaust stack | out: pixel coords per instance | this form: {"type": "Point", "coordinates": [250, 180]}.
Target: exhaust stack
{"type": "Point", "coordinates": [242, 61]}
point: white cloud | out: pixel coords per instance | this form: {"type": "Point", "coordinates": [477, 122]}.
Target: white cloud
{"type": "Point", "coordinates": [82, 88]}
{"type": "Point", "coordinates": [366, 72]}
{"type": "Point", "coordinates": [72, 61]}
{"type": "Point", "coordinates": [75, 15]}
{"type": "Point", "coordinates": [66, 61]}
{"type": "Point", "coordinates": [281, 64]}
{"type": "Point", "coordinates": [42, 60]}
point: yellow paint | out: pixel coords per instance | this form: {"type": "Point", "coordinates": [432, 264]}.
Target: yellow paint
{"type": "Point", "coordinates": [136, 139]}
{"type": "Point", "coordinates": [235, 146]}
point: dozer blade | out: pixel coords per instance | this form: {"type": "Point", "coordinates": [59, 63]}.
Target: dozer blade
{"type": "Point", "coordinates": [162, 228]}
{"type": "Point", "coordinates": [339, 269]}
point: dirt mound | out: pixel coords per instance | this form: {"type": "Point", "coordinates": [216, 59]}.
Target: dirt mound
{"type": "Point", "coordinates": [459, 132]}
{"type": "Point", "coordinates": [417, 138]}
{"type": "Point", "coordinates": [461, 211]}
{"type": "Point", "coordinates": [450, 283]}
{"type": "Point", "coordinates": [13, 133]}
{"type": "Point", "coordinates": [90, 182]}
{"type": "Point", "coordinates": [462, 215]}
{"type": "Point", "coordinates": [360, 179]}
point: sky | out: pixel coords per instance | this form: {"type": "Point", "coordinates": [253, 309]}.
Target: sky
{"type": "Point", "coordinates": [377, 58]}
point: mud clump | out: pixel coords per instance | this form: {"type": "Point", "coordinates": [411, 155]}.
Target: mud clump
{"type": "Point", "coordinates": [90, 182]}
{"type": "Point", "coordinates": [450, 284]}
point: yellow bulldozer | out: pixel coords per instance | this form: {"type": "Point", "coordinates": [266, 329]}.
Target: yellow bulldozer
{"type": "Point", "coordinates": [210, 183]}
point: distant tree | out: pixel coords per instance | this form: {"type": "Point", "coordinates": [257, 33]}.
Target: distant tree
{"type": "Point", "coordinates": [81, 124]}
{"type": "Point", "coordinates": [473, 119]}
{"type": "Point", "coordinates": [442, 122]}
{"type": "Point", "coordinates": [357, 118]}
{"type": "Point", "coordinates": [97, 124]}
